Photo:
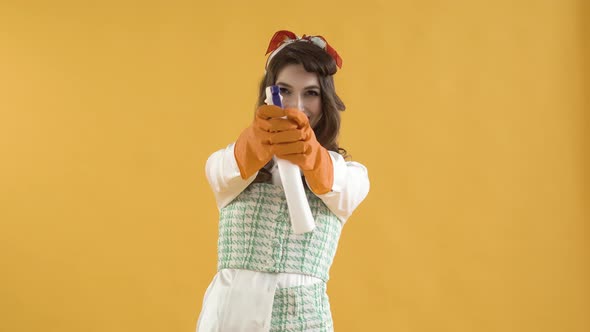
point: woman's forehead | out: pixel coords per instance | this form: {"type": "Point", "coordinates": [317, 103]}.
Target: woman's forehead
{"type": "Point", "coordinates": [295, 75]}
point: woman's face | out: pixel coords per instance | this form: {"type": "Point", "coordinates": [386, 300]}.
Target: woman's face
{"type": "Point", "coordinates": [301, 89]}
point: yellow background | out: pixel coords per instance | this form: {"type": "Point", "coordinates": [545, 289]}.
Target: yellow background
{"type": "Point", "coordinates": [471, 116]}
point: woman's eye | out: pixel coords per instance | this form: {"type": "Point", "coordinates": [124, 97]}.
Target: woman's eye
{"type": "Point", "coordinates": [313, 93]}
{"type": "Point", "coordinates": [284, 91]}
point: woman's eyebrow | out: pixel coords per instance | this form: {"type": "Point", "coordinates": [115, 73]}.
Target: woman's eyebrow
{"type": "Point", "coordinates": [306, 88]}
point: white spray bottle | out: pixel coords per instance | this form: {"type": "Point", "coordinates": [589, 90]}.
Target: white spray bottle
{"type": "Point", "coordinates": [301, 218]}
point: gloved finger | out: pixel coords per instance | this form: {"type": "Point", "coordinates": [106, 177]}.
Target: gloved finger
{"type": "Point", "coordinates": [262, 136]}
{"type": "Point", "coordinates": [269, 111]}
{"type": "Point", "coordinates": [289, 148]}
{"type": "Point", "coordinates": [297, 116]}
{"type": "Point", "coordinates": [276, 125]}
{"type": "Point", "coordinates": [287, 136]}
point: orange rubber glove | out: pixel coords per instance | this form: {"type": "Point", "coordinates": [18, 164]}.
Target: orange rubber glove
{"type": "Point", "coordinates": [301, 147]}
{"type": "Point", "coordinates": [253, 147]}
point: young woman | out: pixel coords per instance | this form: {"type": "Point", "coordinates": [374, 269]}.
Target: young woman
{"type": "Point", "coordinates": [270, 279]}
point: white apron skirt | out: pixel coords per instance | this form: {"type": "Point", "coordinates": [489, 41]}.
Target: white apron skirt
{"type": "Point", "coordinates": [238, 301]}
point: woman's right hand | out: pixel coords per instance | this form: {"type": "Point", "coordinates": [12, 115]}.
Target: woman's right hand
{"type": "Point", "coordinates": [253, 147]}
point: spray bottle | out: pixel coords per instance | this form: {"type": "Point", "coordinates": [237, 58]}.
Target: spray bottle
{"type": "Point", "coordinates": [301, 218]}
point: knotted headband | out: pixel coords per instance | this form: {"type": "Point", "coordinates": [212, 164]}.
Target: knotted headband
{"type": "Point", "coordinates": [283, 38]}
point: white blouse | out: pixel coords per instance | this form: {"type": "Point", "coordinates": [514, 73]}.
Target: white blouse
{"type": "Point", "coordinates": [231, 289]}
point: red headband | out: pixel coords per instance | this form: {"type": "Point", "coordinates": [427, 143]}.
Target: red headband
{"type": "Point", "coordinates": [283, 37]}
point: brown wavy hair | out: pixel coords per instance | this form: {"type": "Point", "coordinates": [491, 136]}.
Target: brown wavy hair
{"type": "Point", "coordinates": [314, 60]}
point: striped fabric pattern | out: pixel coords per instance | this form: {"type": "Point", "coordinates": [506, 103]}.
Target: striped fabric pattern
{"type": "Point", "coordinates": [255, 234]}
{"type": "Point", "coordinates": [301, 309]}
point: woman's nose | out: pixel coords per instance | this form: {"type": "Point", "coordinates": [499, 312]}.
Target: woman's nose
{"type": "Point", "coordinates": [294, 102]}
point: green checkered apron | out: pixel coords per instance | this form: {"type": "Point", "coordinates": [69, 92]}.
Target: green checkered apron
{"type": "Point", "coordinates": [302, 308]}
{"type": "Point", "coordinates": [255, 234]}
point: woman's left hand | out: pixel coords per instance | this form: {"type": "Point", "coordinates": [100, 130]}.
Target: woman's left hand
{"type": "Point", "coordinates": [301, 147]}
